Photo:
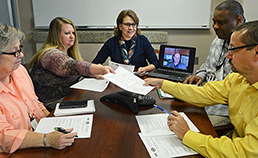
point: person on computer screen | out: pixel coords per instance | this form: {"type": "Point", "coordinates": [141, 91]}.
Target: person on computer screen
{"type": "Point", "coordinates": [176, 62]}
{"type": "Point", "coordinates": [128, 46]}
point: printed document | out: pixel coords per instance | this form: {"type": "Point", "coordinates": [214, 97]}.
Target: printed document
{"type": "Point", "coordinates": [115, 65]}
{"type": "Point", "coordinates": [156, 124]}
{"type": "Point", "coordinates": [162, 94]}
{"type": "Point", "coordinates": [92, 84]}
{"type": "Point", "coordinates": [166, 146]}
{"type": "Point", "coordinates": [128, 81]}
{"type": "Point", "coordinates": [82, 124]}
{"type": "Point", "coordinates": [159, 140]}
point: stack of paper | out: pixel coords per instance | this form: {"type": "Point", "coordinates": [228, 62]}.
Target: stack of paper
{"type": "Point", "coordinates": [92, 84]}
{"type": "Point", "coordinates": [162, 94]}
{"type": "Point", "coordinates": [89, 109]}
{"type": "Point", "coordinates": [159, 140]}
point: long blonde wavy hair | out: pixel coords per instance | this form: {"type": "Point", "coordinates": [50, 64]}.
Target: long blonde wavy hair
{"type": "Point", "coordinates": [54, 41]}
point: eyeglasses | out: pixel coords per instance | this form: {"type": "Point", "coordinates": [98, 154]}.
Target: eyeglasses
{"type": "Point", "coordinates": [130, 24]}
{"type": "Point", "coordinates": [15, 54]}
{"type": "Point", "coordinates": [240, 47]}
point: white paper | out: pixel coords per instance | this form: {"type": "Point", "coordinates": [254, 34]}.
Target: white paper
{"type": "Point", "coordinates": [92, 84]}
{"type": "Point", "coordinates": [115, 65]}
{"type": "Point", "coordinates": [166, 146]}
{"type": "Point", "coordinates": [156, 124]}
{"type": "Point", "coordinates": [128, 81]}
{"type": "Point", "coordinates": [164, 95]}
{"type": "Point", "coordinates": [82, 124]}
{"type": "Point", "coordinates": [159, 141]}
{"type": "Point", "coordinates": [89, 109]}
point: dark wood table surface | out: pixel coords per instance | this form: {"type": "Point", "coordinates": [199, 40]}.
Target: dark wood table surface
{"type": "Point", "coordinates": [115, 129]}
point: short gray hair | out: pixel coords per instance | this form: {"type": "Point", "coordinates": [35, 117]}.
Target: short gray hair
{"type": "Point", "coordinates": [8, 35]}
{"type": "Point", "coordinates": [250, 36]}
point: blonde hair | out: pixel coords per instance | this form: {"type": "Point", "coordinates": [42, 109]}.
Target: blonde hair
{"type": "Point", "coordinates": [120, 18]}
{"type": "Point", "coordinates": [54, 41]}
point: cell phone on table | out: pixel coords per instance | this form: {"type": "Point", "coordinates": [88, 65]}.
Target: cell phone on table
{"type": "Point", "coordinates": [73, 104]}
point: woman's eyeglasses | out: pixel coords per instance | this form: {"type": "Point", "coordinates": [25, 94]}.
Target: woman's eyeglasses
{"type": "Point", "coordinates": [15, 54]}
{"type": "Point", "coordinates": [130, 24]}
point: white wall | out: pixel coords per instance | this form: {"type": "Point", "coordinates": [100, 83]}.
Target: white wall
{"type": "Point", "coordinates": [250, 9]}
{"type": "Point", "coordinates": [201, 39]}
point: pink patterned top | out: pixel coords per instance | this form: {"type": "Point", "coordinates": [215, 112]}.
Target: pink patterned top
{"type": "Point", "coordinates": [55, 73]}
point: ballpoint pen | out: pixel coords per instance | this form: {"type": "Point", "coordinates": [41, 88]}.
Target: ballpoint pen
{"type": "Point", "coordinates": [163, 110]}
{"type": "Point", "coordinates": [61, 129]}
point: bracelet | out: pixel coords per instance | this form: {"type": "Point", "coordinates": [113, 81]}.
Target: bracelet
{"type": "Point", "coordinates": [45, 140]}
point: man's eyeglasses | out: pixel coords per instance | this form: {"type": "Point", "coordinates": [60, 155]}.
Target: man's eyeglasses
{"type": "Point", "coordinates": [130, 24]}
{"type": "Point", "coordinates": [240, 47]}
{"type": "Point", "coordinates": [15, 54]}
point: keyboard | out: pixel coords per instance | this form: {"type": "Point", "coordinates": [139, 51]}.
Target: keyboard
{"type": "Point", "coordinates": [169, 75]}
{"type": "Point", "coordinates": [178, 74]}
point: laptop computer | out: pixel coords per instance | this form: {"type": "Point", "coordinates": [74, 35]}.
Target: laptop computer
{"type": "Point", "coordinates": [176, 63]}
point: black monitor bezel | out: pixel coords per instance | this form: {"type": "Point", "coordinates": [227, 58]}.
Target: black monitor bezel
{"type": "Point", "coordinates": [191, 57]}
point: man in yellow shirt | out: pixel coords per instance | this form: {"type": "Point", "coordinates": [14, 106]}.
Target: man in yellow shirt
{"type": "Point", "coordinates": [239, 90]}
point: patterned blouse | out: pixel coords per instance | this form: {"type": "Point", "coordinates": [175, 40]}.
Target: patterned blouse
{"type": "Point", "coordinates": [53, 75]}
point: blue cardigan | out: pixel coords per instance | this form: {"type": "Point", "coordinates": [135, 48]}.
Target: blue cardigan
{"type": "Point", "coordinates": [143, 50]}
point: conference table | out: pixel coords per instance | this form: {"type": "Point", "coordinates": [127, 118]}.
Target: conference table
{"type": "Point", "coordinates": [115, 130]}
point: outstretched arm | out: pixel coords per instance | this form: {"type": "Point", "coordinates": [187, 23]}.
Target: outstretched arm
{"type": "Point", "coordinates": [193, 79]}
{"type": "Point", "coordinates": [154, 82]}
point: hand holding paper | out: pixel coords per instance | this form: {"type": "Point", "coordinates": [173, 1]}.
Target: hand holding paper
{"type": "Point", "coordinates": [154, 129]}
{"type": "Point", "coordinates": [128, 81]}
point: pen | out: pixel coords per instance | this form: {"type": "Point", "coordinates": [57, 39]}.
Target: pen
{"type": "Point", "coordinates": [163, 110]}
{"type": "Point", "coordinates": [61, 129]}
{"type": "Point", "coordinates": [212, 77]}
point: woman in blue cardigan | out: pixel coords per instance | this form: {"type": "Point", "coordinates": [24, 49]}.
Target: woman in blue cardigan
{"type": "Point", "coordinates": [128, 46]}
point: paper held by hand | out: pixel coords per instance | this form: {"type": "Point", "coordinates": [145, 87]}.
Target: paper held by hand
{"type": "Point", "coordinates": [128, 81]}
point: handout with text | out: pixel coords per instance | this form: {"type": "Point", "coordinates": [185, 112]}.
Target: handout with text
{"type": "Point", "coordinates": [128, 81]}
{"type": "Point", "coordinates": [82, 124]}
{"type": "Point", "coordinates": [91, 84]}
{"type": "Point", "coordinates": [159, 141]}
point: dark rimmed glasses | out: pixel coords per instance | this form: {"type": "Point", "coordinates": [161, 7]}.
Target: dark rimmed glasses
{"type": "Point", "coordinates": [240, 47]}
{"type": "Point", "coordinates": [130, 24]}
{"type": "Point", "coordinates": [16, 53]}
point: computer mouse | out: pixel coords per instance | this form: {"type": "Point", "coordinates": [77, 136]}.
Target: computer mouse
{"type": "Point", "coordinates": [129, 99]}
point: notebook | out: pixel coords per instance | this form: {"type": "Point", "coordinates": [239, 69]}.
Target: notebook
{"type": "Point", "coordinates": [176, 63]}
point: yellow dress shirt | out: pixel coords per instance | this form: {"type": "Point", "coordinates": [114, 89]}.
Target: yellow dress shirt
{"type": "Point", "coordinates": [242, 100]}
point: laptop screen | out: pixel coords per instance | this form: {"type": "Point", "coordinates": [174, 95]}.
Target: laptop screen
{"type": "Point", "coordinates": [177, 58]}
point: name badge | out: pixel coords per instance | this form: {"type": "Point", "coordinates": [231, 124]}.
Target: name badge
{"type": "Point", "coordinates": [33, 122]}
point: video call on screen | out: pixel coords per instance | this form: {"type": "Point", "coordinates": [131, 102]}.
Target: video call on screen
{"type": "Point", "coordinates": [169, 57]}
